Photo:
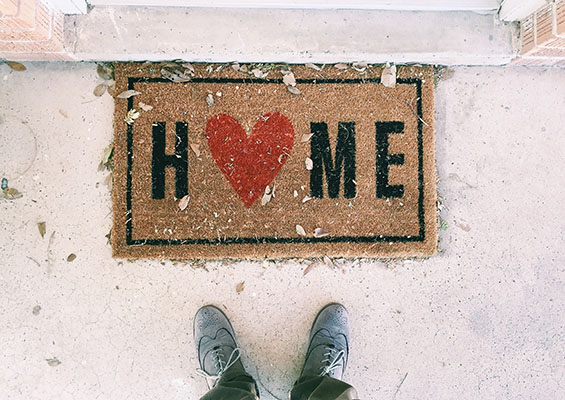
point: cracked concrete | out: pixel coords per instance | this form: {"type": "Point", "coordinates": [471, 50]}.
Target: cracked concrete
{"type": "Point", "coordinates": [482, 319]}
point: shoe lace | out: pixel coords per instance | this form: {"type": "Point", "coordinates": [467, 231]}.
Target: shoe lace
{"type": "Point", "coordinates": [333, 359]}
{"type": "Point", "coordinates": [220, 365]}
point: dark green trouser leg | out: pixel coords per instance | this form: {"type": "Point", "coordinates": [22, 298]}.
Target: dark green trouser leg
{"type": "Point", "coordinates": [322, 388]}
{"type": "Point", "coordinates": [234, 386]}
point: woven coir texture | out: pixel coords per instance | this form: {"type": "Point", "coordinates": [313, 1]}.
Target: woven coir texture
{"type": "Point", "coordinates": [349, 160]}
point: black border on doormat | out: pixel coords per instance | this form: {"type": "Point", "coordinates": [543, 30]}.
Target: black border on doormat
{"type": "Point", "coordinates": [294, 240]}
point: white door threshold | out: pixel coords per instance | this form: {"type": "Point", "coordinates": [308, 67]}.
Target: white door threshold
{"type": "Point", "coordinates": [291, 36]}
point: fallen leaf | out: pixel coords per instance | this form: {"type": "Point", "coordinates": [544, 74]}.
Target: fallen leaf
{"type": "Point", "coordinates": [359, 66]}
{"type": "Point", "coordinates": [175, 73]}
{"type": "Point", "coordinates": [306, 137]}
{"type": "Point", "coordinates": [210, 100]}
{"type": "Point", "coordinates": [289, 79]}
{"type": "Point", "coordinates": [258, 73]}
{"type": "Point", "coordinates": [295, 193]}
{"type": "Point", "coordinates": [131, 116]}
{"type": "Point", "coordinates": [99, 90]}
{"type": "Point", "coordinates": [105, 71]}
{"type": "Point", "coordinates": [388, 76]}
{"type": "Point", "coordinates": [309, 267]}
{"type": "Point", "coordinates": [36, 310]}
{"type": "Point", "coordinates": [145, 107]}
{"type": "Point", "coordinates": [189, 67]}
{"type": "Point", "coordinates": [107, 158]}
{"type": "Point", "coordinates": [341, 66]}
{"type": "Point", "coordinates": [42, 229]}
{"type": "Point", "coordinates": [11, 193]}
{"type": "Point", "coordinates": [306, 198]}
{"type": "Point", "coordinates": [71, 257]}
{"type": "Point", "coordinates": [266, 196]}
{"type": "Point", "coordinates": [320, 232]}
{"type": "Point", "coordinates": [239, 287]}
{"type": "Point", "coordinates": [183, 203]}
{"type": "Point", "coordinates": [16, 66]}
{"type": "Point", "coordinates": [313, 66]}
{"type": "Point", "coordinates": [235, 66]}
{"type": "Point", "coordinates": [300, 230]}
{"type": "Point", "coordinates": [329, 262]}
{"type": "Point", "coordinates": [111, 88]}
{"type": "Point", "coordinates": [53, 362]}
{"type": "Point", "coordinates": [127, 94]}
{"type": "Point", "coordinates": [195, 148]}
{"type": "Point", "coordinates": [293, 90]}
{"type": "Point", "coordinates": [309, 163]}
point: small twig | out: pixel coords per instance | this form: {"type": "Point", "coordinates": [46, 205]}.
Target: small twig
{"type": "Point", "coordinates": [414, 111]}
{"type": "Point", "coordinates": [400, 384]}
{"type": "Point", "coordinates": [35, 261]}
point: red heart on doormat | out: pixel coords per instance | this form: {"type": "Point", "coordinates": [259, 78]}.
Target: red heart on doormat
{"type": "Point", "coordinates": [250, 163]}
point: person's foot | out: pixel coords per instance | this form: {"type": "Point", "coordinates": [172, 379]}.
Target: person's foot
{"type": "Point", "coordinates": [215, 343]}
{"type": "Point", "coordinates": [329, 343]}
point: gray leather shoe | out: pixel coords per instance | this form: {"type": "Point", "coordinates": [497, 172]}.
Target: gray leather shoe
{"type": "Point", "coordinates": [329, 343]}
{"type": "Point", "coordinates": [215, 343]}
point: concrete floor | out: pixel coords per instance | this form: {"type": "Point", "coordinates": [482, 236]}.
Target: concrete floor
{"type": "Point", "coordinates": [482, 319]}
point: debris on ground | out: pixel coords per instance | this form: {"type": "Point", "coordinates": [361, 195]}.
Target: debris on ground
{"type": "Point", "coordinates": [53, 362]}
{"type": "Point", "coordinates": [106, 73]}
{"type": "Point", "coordinates": [107, 159]}
{"type": "Point", "coordinates": [239, 287]}
{"type": "Point", "coordinates": [16, 66]}
{"type": "Point", "coordinates": [41, 226]}
{"type": "Point", "coordinates": [71, 257]}
{"type": "Point", "coordinates": [300, 230]}
{"type": "Point", "coordinates": [313, 66]}
{"type": "Point", "coordinates": [126, 94]}
{"type": "Point", "coordinates": [309, 163]}
{"type": "Point", "coordinates": [341, 66]}
{"type": "Point", "coordinates": [183, 203]}
{"type": "Point", "coordinates": [388, 76]}
{"type": "Point", "coordinates": [177, 72]}
{"type": "Point", "coordinates": [131, 116]}
{"type": "Point", "coordinates": [36, 310]}
{"type": "Point", "coordinates": [11, 194]}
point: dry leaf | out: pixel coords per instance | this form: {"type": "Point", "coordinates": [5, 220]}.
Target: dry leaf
{"type": "Point", "coordinates": [195, 148]}
{"type": "Point", "coordinates": [258, 73]}
{"type": "Point", "coordinates": [183, 203]}
{"type": "Point", "coordinates": [131, 116]}
{"type": "Point", "coordinates": [313, 66]}
{"type": "Point", "coordinates": [235, 66]}
{"type": "Point", "coordinates": [320, 232]}
{"type": "Point", "coordinates": [239, 287]}
{"type": "Point", "coordinates": [293, 90]}
{"type": "Point", "coordinates": [105, 72]}
{"type": "Point", "coordinates": [306, 198]}
{"type": "Point", "coordinates": [359, 66]}
{"type": "Point", "coordinates": [341, 66]}
{"type": "Point", "coordinates": [306, 137]}
{"type": "Point", "coordinates": [210, 100]}
{"type": "Point", "coordinates": [11, 193]}
{"type": "Point", "coordinates": [175, 73]}
{"type": "Point", "coordinates": [111, 87]}
{"type": "Point", "coordinates": [289, 79]}
{"type": "Point", "coordinates": [295, 193]}
{"type": "Point", "coordinates": [309, 163]}
{"type": "Point", "coordinates": [309, 267]}
{"type": "Point", "coordinates": [388, 76]}
{"type": "Point", "coordinates": [53, 362]}
{"type": "Point", "coordinates": [145, 107]}
{"type": "Point", "coordinates": [42, 229]}
{"type": "Point", "coordinates": [71, 257]}
{"type": "Point", "coordinates": [300, 230]}
{"type": "Point", "coordinates": [127, 94]}
{"type": "Point", "coordinates": [16, 66]}
{"type": "Point", "coordinates": [329, 262]}
{"type": "Point", "coordinates": [189, 67]}
{"type": "Point", "coordinates": [266, 198]}
{"type": "Point", "coordinates": [99, 90]}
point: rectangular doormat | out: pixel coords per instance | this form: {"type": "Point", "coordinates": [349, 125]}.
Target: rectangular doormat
{"type": "Point", "coordinates": [253, 161]}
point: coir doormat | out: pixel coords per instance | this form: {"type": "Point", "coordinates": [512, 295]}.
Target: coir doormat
{"type": "Point", "coordinates": [242, 161]}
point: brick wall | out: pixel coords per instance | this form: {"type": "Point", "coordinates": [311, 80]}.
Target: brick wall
{"type": "Point", "coordinates": [542, 36]}
{"type": "Point", "coordinates": [29, 30]}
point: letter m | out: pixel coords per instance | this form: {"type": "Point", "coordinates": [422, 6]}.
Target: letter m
{"type": "Point", "coordinates": [321, 156]}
